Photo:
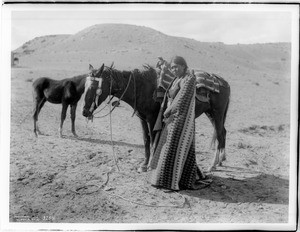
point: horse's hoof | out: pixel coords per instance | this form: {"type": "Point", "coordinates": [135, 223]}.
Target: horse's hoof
{"type": "Point", "coordinates": [142, 169]}
{"type": "Point", "coordinates": [212, 168]}
{"type": "Point", "coordinates": [223, 158]}
{"type": "Point", "coordinates": [75, 135]}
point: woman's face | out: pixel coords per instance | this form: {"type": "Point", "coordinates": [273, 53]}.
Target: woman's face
{"type": "Point", "coordinates": [177, 69]}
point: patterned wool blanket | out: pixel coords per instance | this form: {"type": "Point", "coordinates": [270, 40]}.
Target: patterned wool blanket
{"type": "Point", "coordinates": [173, 164]}
{"type": "Point", "coordinates": [208, 81]}
{"type": "Point", "coordinates": [205, 83]}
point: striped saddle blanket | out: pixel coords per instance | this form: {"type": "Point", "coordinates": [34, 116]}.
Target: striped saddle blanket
{"type": "Point", "coordinates": [208, 81]}
{"type": "Point", "coordinates": [205, 83]}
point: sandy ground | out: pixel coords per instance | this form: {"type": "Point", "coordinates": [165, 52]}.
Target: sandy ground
{"type": "Point", "coordinates": [76, 180]}
{"type": "Point", "coordinates": [71, 179]}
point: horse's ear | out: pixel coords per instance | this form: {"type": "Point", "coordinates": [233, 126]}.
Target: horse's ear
{"type": "Point", "coordinates": [100, 70]}
{"type": "Point", "coordinates": [91, 67]}
{"type": "Point", "coordinates": [112, 65]}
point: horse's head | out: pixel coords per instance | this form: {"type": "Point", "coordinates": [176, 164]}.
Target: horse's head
{"type": "Point", "coordinates": [97, 88]}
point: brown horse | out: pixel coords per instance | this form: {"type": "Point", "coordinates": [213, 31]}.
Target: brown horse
{"type": "Point", "coordinates": [137, 88]}
{"type": "Point", "coordinates": [66, 92]}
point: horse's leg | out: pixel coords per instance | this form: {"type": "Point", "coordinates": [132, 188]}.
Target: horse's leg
{"type": "Point", "coordinates": [39, 103]}
{"type": "Point", "coordinates": [222, 156]}
{"type": "Point", "coordinates": [222, 140]}
{"type": "Point", "coordinates": [63, 117]}
{"type": "Point", "coordinates": [223, 136]}
{"type": "Point", "coordinates": [73, 116]}
{"type": "Point", "coordinates": [220, 131]}
{"type": "Point", "coordinates": [35, 117]}
{"type": "Point", "coordinates": [146, 137]}
{"type": "Point", "coordinates": [215, 162]}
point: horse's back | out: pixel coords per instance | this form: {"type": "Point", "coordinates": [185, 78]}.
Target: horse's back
{"type": "Point", "coordinates": [222, 81]}
{"type": "Point", "coordinates": [77, 79]}
{"type": "Point", "coordinates": [45, 82]}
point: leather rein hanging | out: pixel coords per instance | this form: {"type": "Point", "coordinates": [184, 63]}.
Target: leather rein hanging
{"type": "Point", "coordinates": [98, 93]}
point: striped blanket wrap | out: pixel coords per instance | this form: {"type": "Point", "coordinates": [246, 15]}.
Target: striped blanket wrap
{"type": "Point", "coordinates": [173, 164]}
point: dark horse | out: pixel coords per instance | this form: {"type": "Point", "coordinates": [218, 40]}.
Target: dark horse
{"type": "Point", "coordinates": [66, 92]}
{"type": "Point", "coordinates": [137, 88]}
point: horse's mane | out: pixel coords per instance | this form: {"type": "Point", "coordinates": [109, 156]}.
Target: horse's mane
{"type": "Point", "coordinates": [79, 77]}
{"type": "Point", "coordinates": [147, 72]}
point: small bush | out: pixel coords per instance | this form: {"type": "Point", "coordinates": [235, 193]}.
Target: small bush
{"type": "Point", "coordinates": [29, 80]}
{"type": "Point", "coordinates": [242, 145]}
{"type": "Point", "coordinates": [281, 127]}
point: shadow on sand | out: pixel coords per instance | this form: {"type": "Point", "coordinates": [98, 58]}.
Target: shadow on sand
{"type": "Point", "coordinates": [240, 185]}
{"type": "Point", "coordinates": [108, 142]}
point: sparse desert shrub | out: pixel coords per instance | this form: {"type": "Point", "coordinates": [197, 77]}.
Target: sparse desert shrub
{"type": "Point", "coordinates": [271, 128]}
{"type": "Point", "coordinates": [188, 47]}
{"type": "Point", "coordinates": [281, 127]}
{"type": "Point", "coordinates": [28, 51]}
{"type": "Point", "coordinates": [242, 145]}
{"type": "Point", "coordinates": [29, 80]}
{"type": "Point", "coordinates": [249, 129]}
{"type": "Point", "coordinates": [253, 127]}
{"type": "Point", "coordinates": [256, 129]}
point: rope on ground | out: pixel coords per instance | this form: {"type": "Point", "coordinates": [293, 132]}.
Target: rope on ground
{"type": "Point", "coordinates": [98, 187]}
{"type": "Point", "coordinates": [101, 187]}
{"type": "Point", "coordinates": [111, 140]}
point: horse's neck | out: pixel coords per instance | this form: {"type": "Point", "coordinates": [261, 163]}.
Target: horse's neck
{"type": "Point", "coordinates": [124, 90]}
{"type": "Point", "coordinates": [81, 84]}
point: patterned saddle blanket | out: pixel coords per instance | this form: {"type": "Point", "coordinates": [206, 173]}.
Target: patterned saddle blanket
{"type": "Point", "coordinates": [205, 83]}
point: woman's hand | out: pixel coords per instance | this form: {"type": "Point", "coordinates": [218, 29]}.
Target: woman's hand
{"type": "Point", "coordinates": [167, 113]}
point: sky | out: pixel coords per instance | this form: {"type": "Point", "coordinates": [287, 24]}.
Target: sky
{"type": "Point", "coordinates": [227, 23]}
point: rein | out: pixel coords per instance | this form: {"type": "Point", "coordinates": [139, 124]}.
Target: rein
{"type": "Point", "coordinates": [111, 110]}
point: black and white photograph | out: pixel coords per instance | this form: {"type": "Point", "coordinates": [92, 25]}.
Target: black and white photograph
{"type": "Point", "coordinates": [149, 116]}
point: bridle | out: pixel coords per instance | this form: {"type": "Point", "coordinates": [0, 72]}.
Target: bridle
{"type": "Point", "coordinates": [99, 92]}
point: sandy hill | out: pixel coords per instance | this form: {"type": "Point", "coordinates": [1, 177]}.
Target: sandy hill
{"type": "Point", "coordinates": [130, 46]}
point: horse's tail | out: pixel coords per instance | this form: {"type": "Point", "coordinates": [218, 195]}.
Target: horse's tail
{"type": "Point", "coordinates": [38, 87]}
{"type": "Point", "coordinates": [226, 109]}
{"type": "Point", "coordinates": [214, 138]}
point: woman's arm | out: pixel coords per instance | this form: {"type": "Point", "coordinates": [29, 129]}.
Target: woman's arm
{"type": "Point", "coordinates": [172, 109]}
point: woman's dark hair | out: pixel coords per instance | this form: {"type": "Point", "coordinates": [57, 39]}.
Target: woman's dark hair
{"type": "Point", "coordinates": [179, 60]}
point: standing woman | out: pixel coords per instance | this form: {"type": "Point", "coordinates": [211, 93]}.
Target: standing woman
{"type": "Point", "coordinates": [173, 164]}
